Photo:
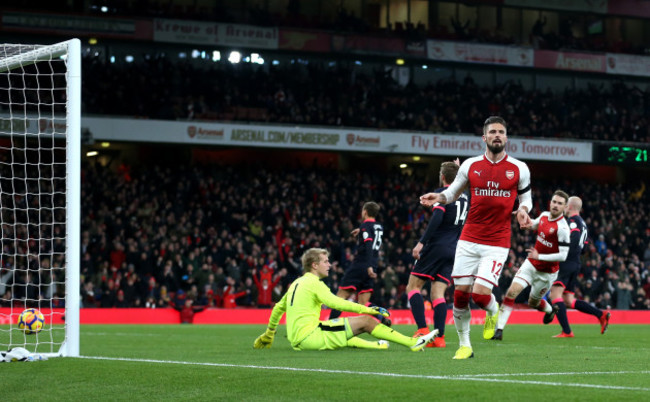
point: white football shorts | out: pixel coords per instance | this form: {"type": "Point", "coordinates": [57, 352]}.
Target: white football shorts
{"type": "Point", "coordinates": [478, 262]}
{"type": "Point", "coordinates": [539, 282]}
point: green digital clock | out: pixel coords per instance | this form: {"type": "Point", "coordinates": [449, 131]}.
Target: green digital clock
{"type": "Point", "coordinates": [617, 154]}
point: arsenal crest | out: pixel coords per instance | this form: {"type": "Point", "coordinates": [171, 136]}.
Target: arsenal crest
{"type": "Point", "coordinates": [551, 230]}
{"type": "Point", "coordinates": [350, 138]}
{"type": "Point", "coordinates": [510, 174]}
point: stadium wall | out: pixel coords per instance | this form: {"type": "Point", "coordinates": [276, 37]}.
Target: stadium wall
{"type": "Point", "coordinates": [257, 316]}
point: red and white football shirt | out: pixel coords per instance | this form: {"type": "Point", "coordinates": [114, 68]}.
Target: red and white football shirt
{"type": "Point", "coordinates": [551, 234]}
{"type": "Point", "coordinates": [493, 190]}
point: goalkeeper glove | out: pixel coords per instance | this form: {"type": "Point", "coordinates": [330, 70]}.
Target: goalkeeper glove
{"type": "Point", "coordinates": [376, 310]}
{"type": "Point", "coordinates": [265, 340]}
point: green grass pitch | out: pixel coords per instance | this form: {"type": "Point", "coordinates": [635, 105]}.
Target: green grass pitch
{"type": "Point", "coordinates": [218, 363]}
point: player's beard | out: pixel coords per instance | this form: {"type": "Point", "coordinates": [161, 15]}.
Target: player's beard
{"type": "Point", "coordinates": [496, 148]}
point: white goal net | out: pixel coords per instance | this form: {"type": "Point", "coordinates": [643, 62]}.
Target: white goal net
{"type": "Point", "coordinates": [40, 97]}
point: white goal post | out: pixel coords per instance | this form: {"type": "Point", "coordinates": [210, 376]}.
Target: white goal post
{"type": "Point", "coordinates": [40, 194]}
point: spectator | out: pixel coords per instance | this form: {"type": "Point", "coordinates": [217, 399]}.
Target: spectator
{"type": "Point", "coordinates": [120, 301]}
{"type": "Point", "coordinates": [639, 302]}
{"type": "Point", "coordinates": [601, 246]}
{"type": "Point", "coordinates": [230, 296]}
{"type": "Point", "coordinates": [537, 33]}
{"type": "Point", "coordinates": [265, 291]}
{"type": "Point", "coordinates": [188, 311]}
{"type": "Point", "coordinates": [624, 295]}
{"type": "Point", "coordinates": [109, 295]}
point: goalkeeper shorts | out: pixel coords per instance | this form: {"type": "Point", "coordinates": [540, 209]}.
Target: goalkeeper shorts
{"type": "Point", "coordinates": [329, 335]}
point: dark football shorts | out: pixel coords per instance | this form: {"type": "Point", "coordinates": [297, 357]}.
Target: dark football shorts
{"type": "Point", "coordinates": [356, 279]}
{"type": "Point", "coordinates": [434, 264]}
{"type": "Point", "coordinates": [568, 276]}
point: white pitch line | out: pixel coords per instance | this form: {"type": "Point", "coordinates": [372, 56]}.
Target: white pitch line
{"type": "Point", "coordinates": [609, 348]}
{"type": "Point", "coordinates": [476, 377]}
{"type": "Point", "coordinates": [555, 374]}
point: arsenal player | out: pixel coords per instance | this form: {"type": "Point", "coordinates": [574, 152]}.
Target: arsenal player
{"type": "Point", "coordinates": [540, 269]}
{"type": "Point", "coordinates": [495, 180]}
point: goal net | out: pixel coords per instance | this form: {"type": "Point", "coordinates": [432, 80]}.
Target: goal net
{"type": "Point", "coordinates": [40, 110]}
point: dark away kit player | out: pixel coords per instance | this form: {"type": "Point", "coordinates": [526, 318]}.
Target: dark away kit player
{"type": "Point", "coordinates": [360, 277]}
{"type": "Point", "coordinates": [434, 256]}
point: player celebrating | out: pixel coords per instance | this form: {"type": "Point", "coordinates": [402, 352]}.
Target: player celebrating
{"type": "Point", "coordinates": [360, 276]}
{"type": "Point", "coordinates": [540, 268]}
{"type": "Point", "coordinates": [495, 180]}
{"type": "Point", "coordinates": [562, 291]}
{"type": "Point", "coordinates": [302, 303]}
{"type": "Point", "coordinates": [435, 258]}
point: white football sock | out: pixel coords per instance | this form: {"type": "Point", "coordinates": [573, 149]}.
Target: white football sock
{"type": "Point", "coordinates": [493, 306]}
{"type": "Point", "coordinates": [503, 316]}
{"type": "Point", "coordinates": [462, 319]}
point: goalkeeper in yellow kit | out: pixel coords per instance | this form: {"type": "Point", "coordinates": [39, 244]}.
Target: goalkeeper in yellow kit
{"type": "Point", "coordinates": [302, 303]}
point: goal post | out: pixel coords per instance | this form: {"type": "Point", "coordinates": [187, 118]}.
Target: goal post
{"type": "Point", "coordinates": [40, 194]}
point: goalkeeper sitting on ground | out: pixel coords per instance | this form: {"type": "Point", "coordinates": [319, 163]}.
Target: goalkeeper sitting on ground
{"type": "Point", "coordinates": [302, 303]}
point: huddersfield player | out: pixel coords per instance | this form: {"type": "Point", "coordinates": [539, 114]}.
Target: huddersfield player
{"type": "Point", "coordinates": [562, 292]}
{"type": "Point", "coordinates": [302, 303]}
{"type": "Point", "coordinates": [539, 271]}
{"type": "Point", "coordinates": [495, 180]}
{"type": "Point", "coordinates": [434, 256]}
{"type": "Point", "coordinates": [360, 277]}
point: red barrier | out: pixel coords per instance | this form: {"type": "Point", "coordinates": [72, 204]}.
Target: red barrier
{"type": "Point", "coordinates": [255, 316]}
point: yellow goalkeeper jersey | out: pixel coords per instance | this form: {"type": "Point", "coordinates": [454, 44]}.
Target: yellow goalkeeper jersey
{"type": "Point", "coordinates": [302, 303]}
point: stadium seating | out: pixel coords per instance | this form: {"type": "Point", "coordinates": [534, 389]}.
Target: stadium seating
{"type": "Point", "coordinates": [323, 95]}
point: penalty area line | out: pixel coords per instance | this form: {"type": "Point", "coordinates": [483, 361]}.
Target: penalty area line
{"type": "Point", "coordinates": [476, 377]}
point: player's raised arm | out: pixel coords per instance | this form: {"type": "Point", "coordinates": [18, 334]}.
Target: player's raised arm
{"type": "Point", "coordinates": [525, 198]}
{"type": "Point", "coordinates": [534, 223]}
{"type": "Point", "coordinates": [429, 199]}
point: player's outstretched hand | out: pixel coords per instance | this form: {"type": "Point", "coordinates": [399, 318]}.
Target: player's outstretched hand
{"type": "Point", "coordinates": [532, 253]}
{"type": "Point", "coordinates": [380, 311]}
{"type": "Point", "coordinates": [265, 340]}
{"type": "Point", "coordinates": [523, 218]}
{"type": "Point", "coordinates": [429, 199]}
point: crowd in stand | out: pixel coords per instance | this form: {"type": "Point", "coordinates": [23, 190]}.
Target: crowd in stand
{"type": "Point", "coordinates": [316, 94]}
{"type": "Point", "coordinates": [215, 236]}
{"type": "Point", "coordinates": [211, 236]}
{"type": "Point", "coordinates": [346, 21]}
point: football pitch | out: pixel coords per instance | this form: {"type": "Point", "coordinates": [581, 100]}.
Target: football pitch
{"type": "Point", "coordinates": [218, 363]}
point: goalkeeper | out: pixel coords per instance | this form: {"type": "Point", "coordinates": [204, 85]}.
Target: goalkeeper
{"type": "Point", "coordinates": [302, 303]}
